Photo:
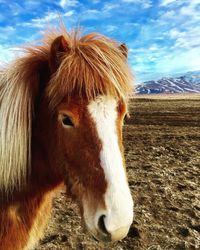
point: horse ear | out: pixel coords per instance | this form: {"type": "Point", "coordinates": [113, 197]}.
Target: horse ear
{"type": "Point", "coordinates": [58, 47]}
{"type": "Point", "coordinates": [124, 49]}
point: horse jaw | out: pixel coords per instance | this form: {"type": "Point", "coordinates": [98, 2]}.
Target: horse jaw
{"type": "Point", "coordinates": [118, 210]}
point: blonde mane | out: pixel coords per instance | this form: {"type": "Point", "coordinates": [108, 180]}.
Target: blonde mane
{"type": "Point", "coordinates": [88, 66]}
{"type": "Point", "coordinates": [15, 130]}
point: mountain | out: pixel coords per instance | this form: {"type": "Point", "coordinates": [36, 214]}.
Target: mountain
{"type": "Point", "coordinates": [186, 83]}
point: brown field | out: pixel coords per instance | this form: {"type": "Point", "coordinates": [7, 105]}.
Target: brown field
{"type": "Point", "coordinates": [162, 148]}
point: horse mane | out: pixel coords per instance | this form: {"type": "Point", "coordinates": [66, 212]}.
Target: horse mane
{"type": "Point", "coordinates": [68, 64]}
{"type": "Point", "coordinates": [90, 65]}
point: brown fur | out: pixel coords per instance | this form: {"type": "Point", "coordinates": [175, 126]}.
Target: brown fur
{"type": "Point", "coordinates": [56, 78]}
{"type": "Point", "coordinates": [23, 222]}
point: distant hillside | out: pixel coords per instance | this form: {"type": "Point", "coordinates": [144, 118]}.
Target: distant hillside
{"type": "Point", "coordinates": [187, 83]}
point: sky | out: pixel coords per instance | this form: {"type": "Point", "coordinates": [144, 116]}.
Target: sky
{"type": "Point", "coordinates": [163, 36]}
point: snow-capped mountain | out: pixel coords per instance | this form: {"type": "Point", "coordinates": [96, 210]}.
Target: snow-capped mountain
{"type": "Point", "coordinates": [187, 83]}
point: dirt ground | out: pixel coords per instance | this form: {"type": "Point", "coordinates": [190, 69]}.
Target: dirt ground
{"type": "Point", "coordinates": [162, 148]}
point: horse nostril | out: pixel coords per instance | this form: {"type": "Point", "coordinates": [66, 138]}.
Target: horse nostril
{"type": "Point", "coordinates": [101, 225]}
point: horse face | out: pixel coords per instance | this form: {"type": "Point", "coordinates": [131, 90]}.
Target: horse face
{"type": "Point", "coordinates": [90, 135]}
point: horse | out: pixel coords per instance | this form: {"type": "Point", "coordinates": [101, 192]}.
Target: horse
{"type": "Point", "coordinates": [62, 106]}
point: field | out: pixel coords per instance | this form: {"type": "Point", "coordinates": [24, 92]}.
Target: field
{"type": "Point", "coordinates": [162, 148]}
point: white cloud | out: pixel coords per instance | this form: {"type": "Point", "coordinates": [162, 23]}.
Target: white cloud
{"type": "Point", "coordinates": [67, 3]}
{"type": "Point", "coordinates": [111, 28]}
{"type": "Point", "coordinates": [110, 6]}
{"type": "Point", "coordinates": [174, 33]}
{"type": "Point", "coordinates": [15, 8]}
{"type": "Point", "coordinates": [91, 14]}
{"type": "Point", "coordinates": [69, 13]}
{"type": "Point", "coordinates": [180, 61]}
{"type": "Point", "coordinates": [167, 2]}
{"type": "Point", "coordinates": [5, 54]}
{"type": "Point", "coordinates": [49, 17]}
{"type": "Point", "coordinates": [190, 9]}
{"type": "Point", "coordinates": [132, 25]}
{"type": "Point", "coordinates": [95, 14]}
{"type": "Point", "coordinates": [31, 4]}
{"type": "Point", "coordinates": [154, 47]}
{"type": "Point", "coordinates": [147, 4]}
{"type": "Point", "coordinates": [194, 2]}
{"type": "Point", "coordinates": [42, 22]}
{"type": "Point", "coordinates": [165, 64]}
{"type": "Point", "coordinates": [144, 3]}
{"type": "Point", "coordinates": [170, 14]}
{"type": "Point", "coordinates": [189, 38]}
{"type": "Point", "coordinates": [6, 31]}
{"type": "Point", "coordinates": [137, 50]}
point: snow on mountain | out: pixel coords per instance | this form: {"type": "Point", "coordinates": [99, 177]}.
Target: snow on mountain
{"type": "Point", "coordinates": [187, 83]}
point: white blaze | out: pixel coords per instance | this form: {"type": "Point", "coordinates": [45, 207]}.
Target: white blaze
{"type": "Point", "coordinates": [118, 200]}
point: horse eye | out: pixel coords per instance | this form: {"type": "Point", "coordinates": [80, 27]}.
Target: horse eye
{"type": "Point", "coordinates": [67, 121]}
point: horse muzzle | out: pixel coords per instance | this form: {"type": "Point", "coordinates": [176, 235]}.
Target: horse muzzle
{"type": "Point", "coordinates": [103, 235]}
{"type": "Point", "coordinates": [109, 225]}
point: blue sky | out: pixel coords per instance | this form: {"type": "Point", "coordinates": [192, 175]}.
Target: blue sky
{"type": "Point", "coordinates": [163, 36]}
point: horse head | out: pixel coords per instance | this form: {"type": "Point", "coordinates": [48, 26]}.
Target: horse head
{"type": "Point", "coordinates": [91, 76]}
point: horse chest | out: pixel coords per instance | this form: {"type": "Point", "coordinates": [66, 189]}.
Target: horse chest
{"type": "Point", "coordinates": [23, 224]}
